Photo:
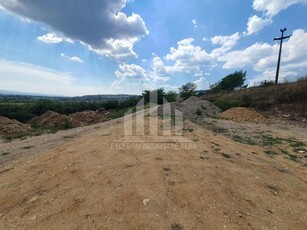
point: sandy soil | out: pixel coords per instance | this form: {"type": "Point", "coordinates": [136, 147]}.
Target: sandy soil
{"type": "Point", "coordinates": [77, 179]}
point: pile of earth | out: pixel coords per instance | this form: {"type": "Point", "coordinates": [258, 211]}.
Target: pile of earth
{"type": "Point", "coordinates": [54, 120]}
{"type": "Point", "coordinates": [242, 114]}
{"type": "Point", "coordinates": [193, 107]}
{"type": "Point", "coordinates": [11, 127]}
{"type": "Point", "coordinates": [89, 117]}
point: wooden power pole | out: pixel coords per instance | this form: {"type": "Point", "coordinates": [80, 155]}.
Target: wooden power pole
{"type": "Point", "coordinates": [280, 48]}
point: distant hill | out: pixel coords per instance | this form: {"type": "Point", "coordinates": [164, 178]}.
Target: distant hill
{"type": "Point", "coordinates": [18, 95]}
{"type": "Point", "coordinates": [9, 92]}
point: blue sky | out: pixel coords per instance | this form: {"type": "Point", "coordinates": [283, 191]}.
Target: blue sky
{"type": "Point", "coordinates": [69, 47]}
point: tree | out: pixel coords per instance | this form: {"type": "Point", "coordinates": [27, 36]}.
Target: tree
{"type": "Point", "coordinates": [158, 92]}
{"type": "Point", "coordinates": [187, 90]}
{"type": "Point", "coordinates": [171, 96]}
{"type": "Point", "coordinates": [230, 82]}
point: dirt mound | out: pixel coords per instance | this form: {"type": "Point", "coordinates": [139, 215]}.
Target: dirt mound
{"type": "Point", "coordinates": [55, 120]}
{"type": "Point", "coordinates": [103, 112]}
{"type": "Point", "coordinates": [9, 127]}
{"type": "Point", "coordinates": [191, 100]}
{"type": "Point", "coordinates": [90, 117]}
{"type": "Point", "coordinates": [242, 114]}
{"type": "Point", "coordinates": [193, 107]}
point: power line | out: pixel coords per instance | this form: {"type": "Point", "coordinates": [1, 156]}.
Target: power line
{"type": "Point", "coordinates": [291, 17]}
{"type": "Point", "coordinates": [301, 19]}
{"type": "Point", "coordinates": [280, 17]}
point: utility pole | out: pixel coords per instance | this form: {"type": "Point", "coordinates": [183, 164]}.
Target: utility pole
{"type": "Point", "coordinates": [280, 48]}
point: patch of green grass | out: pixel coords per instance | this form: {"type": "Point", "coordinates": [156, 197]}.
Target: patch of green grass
{"type": "Point", "coordinates": [297, 144]}
{"type": "Point", "coordinates": [299, 149]}
{"type": "Point", "coordinates": [190, 130]}
{"type": "Point", "coordinates": [219, 130]}
{"type": "Point", "coordinates": [294, 157]}
{"type": "Point", "coordinates": [270, 153]}
{"type": "Point", "coordinates": [283, 151]}
{"type": "Point", "coordinates": [238, 138]}
{"type": "Point", "coordinates": [271, 141]}
{"type": "Point", "coordinates": [21, 135]}
{"type": "Point", "coordinates": [116, 113]}
{"type": "Point", "coordinates": [243, 140]}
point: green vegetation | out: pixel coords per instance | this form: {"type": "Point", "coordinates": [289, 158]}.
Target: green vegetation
{"type": "Point", "coordinates": [25, 110]}
{"type": "Point", "coordinates": [170, 96]}
{"type": "Point", "coordinates": [187, 90]}
{"type": "Point", "coordinates": [271, 141]}
{"type": "Point", "coordinates": [294, 157]}
{"type": "Point", "coordinates": [229, 83]}
{"type": "Point", "coordinates": [244, 140]}
{"type": "Point", "coordinates": [263, 97]}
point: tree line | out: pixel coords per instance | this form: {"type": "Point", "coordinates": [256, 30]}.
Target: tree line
{"type": "Point", "coordinates": [24, 111]}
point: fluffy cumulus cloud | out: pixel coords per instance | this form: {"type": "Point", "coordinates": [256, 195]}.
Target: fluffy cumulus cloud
{"type": "Point", "coordinates": [255, 24]}
{"type": "Point", "coordinates": [262, 57]}
{"type": "Point", "coordinates": [188, 58]}
{"type": "Point", "coordinates": [130, 71]}
{"type": "Point", "coordinates": [271, 8]}
{"type": "Point", "coordinates": [99, 24]}
{"type": "Point", "coordinates": [248, 56]}
{"type": "Point", "coordinates": [202, 83]}
{"type": "Point", "coordinates": [226, 42]}
{"type": "Point", "coordinates": [50, 38]}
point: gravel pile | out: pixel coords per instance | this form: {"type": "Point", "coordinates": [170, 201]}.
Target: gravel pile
{"type": "Point", "coordinates": [193, 107]}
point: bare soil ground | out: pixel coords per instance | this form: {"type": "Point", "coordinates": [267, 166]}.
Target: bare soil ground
{"type": "Point", "coordinates": [75, 179]}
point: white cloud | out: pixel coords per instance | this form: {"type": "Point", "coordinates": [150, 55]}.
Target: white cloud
{"type": "Point", "coordinates": [255, 24]}
{"type": "Point", "coordinates": [271, 8]}
{"type": "Point", "coordinates": [262, 57]}
{"type": "Point", "coordinates": [74, 58]}
{"type": "Point", "coordinates": [130, 71]}
{"type": "Point", "coordinates": [195, 24]}
{"type": "Point", "coordinates": [50, 38]}
{"type": "Point", "coordinates": [120, 49]}
{"type": "Point", "coordinates": [202, 83]}
{"type": "Point", "coordinates": [294, 55]}
{"type": "Point", "coordinates": [101, 25]}
{"type": "Point", "coordinates": [248, 56]}
{"type": "Point", "coordinates": [226, 42]}
{"type": "Point", "coordinates": [187, 57]}
{"type": "Point", "coordinates": [19, 76]}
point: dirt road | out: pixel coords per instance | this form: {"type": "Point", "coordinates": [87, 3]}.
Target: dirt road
{"type": "Point", "coordinates": [76, 180]}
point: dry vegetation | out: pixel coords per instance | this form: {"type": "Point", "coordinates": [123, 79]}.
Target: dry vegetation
{"type": "Point", "coordinates": [286, 96]}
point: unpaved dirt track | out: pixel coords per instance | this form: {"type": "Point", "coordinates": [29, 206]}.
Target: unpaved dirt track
{"type": "Point", "coordinates": [75, 180]}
